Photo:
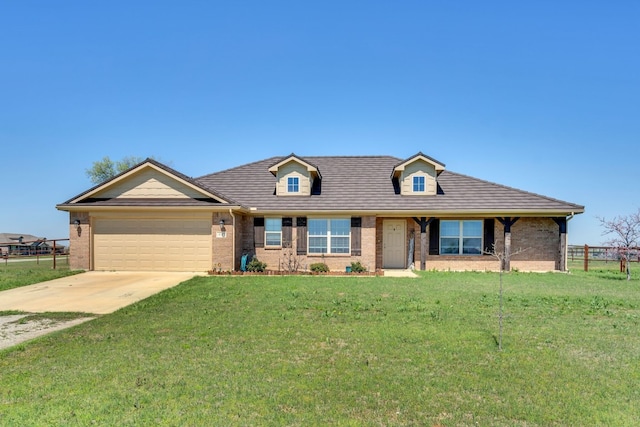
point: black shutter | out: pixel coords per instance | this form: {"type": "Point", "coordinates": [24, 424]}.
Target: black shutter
{"type": "Point", "coordinates": [258, 232]}
{"type": "Point", "coordinates": [301, 232]}
{"type": "Point", "coordinates": [287, 223]}
{"type": "Point", "coordinates": [356, 236]}
{"type": "Point", "coordinates": [434, 237]}
{"type": "Point", "coordinates": [489, 235]}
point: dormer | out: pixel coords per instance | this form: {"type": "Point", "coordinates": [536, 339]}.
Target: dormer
{"type": "Point", "coordinates": [294, 176]}
{"type": "Point", "coordinates": [418, 175]}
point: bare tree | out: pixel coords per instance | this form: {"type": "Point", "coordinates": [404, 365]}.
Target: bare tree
{"type": "Point", "coordinates": [625, 234]}
{"type": "Point", "coordinates": [501, 257]}
{"type": "Point", "coordinates": [289, 262]}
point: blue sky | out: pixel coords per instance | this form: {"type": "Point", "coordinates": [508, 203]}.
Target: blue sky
{"type": "Point", "coordinates": [543, 96]}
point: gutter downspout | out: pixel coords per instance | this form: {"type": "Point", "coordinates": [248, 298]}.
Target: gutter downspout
{"type": "Point", "coordinates": [233, 240]}
{"type": "Point", "coordinates": [566, 247]}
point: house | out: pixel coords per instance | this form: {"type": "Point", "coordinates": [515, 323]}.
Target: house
{"type": "Point", "coordinates": [23, 244]}
{"type": "Point", "coordinates": [386, 212]}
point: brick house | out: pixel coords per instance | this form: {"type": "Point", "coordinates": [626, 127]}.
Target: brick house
{"type": "Point", "coordinates": [385, 212]}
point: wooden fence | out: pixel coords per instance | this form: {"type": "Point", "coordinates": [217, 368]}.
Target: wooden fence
{"type": "Point", "coordinates": [603, 254]}
{"type": "Point", "coordinates": [52, 249]}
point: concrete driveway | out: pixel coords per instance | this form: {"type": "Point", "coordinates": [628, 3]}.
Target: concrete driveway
{"type": "Point", "coordinates": [98, 292]}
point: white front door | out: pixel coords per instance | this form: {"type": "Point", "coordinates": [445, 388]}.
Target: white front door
{"type": "Point", "coordinates": [393, 243]}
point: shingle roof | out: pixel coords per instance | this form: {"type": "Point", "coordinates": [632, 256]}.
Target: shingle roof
{"type": "Point", "coordinates": [362, 183]}
{"type": "Point", "coordinates": [12, 238]}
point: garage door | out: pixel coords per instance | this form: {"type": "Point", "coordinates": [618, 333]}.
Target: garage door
{"type": "Point", "coordinates": [152, 244]}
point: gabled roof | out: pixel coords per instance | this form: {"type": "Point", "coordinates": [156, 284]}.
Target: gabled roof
{"type": "Point", "coordinates": [92, 196]}
{"type": "Point", "coordinates": [362, 184]}
{"type": "Point", "coordinates": [439, 167]}
{"type": "Point", "coordinates": [13, 238]}
{"type": "Point", "coordinates": [313, 169]}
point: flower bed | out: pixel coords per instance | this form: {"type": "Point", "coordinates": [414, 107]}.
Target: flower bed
{"type": "Point", "coordinates": [292, 273]}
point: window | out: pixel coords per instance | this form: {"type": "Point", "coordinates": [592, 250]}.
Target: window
{"type": "Point", "coordinates": [461, 237]}
{"type": "Point", "coordinates": [293, 184]}
{"type": "Point", "coordinates": [273, 232]}
{"type": "Point", "coordinates": [329, 236]}
{"type": "Point", "coordinates": [418, 184]}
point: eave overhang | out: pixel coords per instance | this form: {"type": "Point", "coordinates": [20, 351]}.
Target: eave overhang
{"type": "Point", "coordinates": [411, 213]}
{"type": "Point", "coordinates": [121, 208]}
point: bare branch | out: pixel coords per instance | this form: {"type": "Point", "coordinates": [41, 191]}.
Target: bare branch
{"type": "Point", "coordinates": [625, 234]}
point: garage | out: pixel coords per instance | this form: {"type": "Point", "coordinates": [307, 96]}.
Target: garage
{"type": "Point", "coordinates": [152, 244]}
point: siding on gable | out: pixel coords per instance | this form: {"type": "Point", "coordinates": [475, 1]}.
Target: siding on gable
{"type": "Point", "coordinates": [293, 169]}
{"type": "Point", "coordinates": [418, 168]}
{"type": "Point", "coordinates": [149, 183]}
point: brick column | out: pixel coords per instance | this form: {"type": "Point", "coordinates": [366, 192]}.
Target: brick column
{"type": "Point", "coordinates": [79, 241]}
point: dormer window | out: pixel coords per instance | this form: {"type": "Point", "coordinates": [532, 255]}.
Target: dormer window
{"type": "Point", "coordinates": [293, 184]}
{"type": "Point", "coordinates": [418, 175]}
{"type": "Point", "coordinates": [295, 176]}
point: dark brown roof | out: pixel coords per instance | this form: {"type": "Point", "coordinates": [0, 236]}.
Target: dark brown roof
{"type": "Point", "coordinates": [362, 183]}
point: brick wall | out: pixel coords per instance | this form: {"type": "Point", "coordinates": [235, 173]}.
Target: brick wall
{"type": "Point", "coordinates": [379, 246]}
{"type": "Point", "coordinates": [79, 241]}
{"type": "Point", "coordinates": [223, 256]}
{"type": "Point", "coordinates": [539, 239]}
{"type": "Point", "coordinates": [539, 236]}
{"type": "Point", "coordinates": [286, 258]}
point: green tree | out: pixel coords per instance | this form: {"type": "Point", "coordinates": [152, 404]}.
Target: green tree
{"type": "Point", "coordinates": [106, 168]}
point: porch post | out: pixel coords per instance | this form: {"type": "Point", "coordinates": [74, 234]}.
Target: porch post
{"type": "Point", "coordinates": [562, 228]}
{"type": "Point", "coordinates": [423, 223]}
{"type": "Point", "coordinates": [507, 222]}
{"type": "Point", "coordinates": [507, 250]}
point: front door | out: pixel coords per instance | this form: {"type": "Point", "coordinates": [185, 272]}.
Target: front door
{"type": "Point", "coordinates": [393, 243]}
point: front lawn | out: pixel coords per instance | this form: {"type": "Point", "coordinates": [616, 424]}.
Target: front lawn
{"type": "Point", "coordinates": [364, 351]}
{"type": "Point", "coordinates": [22, 273]}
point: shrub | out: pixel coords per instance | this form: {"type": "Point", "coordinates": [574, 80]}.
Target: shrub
{"type": "Point", "coordinates": [319, 267]}
{"type": "Point", "coordinates": [357, 267]}
{"type": "Point", "coordinates": [256, 266]}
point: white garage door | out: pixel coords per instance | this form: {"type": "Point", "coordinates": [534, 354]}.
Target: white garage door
{"type": "Point", "coordinates": [152, 244]}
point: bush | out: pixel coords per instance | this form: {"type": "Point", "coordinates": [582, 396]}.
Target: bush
{"type": "Point", "coordinates": [256, 266]}
{"type": "Point", "coordinates": [319, 267]}
{"type": "Point", "coordinates": [357, 267]}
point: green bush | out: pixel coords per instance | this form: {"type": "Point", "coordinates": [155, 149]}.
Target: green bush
{"type": "Point", "coordinates": [357, 267]}
{"type": "Point", "coordinates": [256, 266]}
{"type": "Point", "coordinates": [319, 267]}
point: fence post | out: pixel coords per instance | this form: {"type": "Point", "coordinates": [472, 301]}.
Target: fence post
{"type": "Point", "coordinates": [586, 257]}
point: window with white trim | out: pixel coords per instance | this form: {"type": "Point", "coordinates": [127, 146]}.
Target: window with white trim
{"type": "Point", "coordinates": [463, 237]}
{"type": "Point", "coordinates": [418, 184]}
{"type": "Point", "coordinates": [329, 236]}
{"type": "Point", "coordinates": [293, 184]}
{"type": "Point", "coordinates": [273, 232]}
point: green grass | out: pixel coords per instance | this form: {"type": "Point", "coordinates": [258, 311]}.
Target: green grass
{"type": "Point", "coordinates": [16, 274]}
{"type": "Point", "coordinates": [372, 351]}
